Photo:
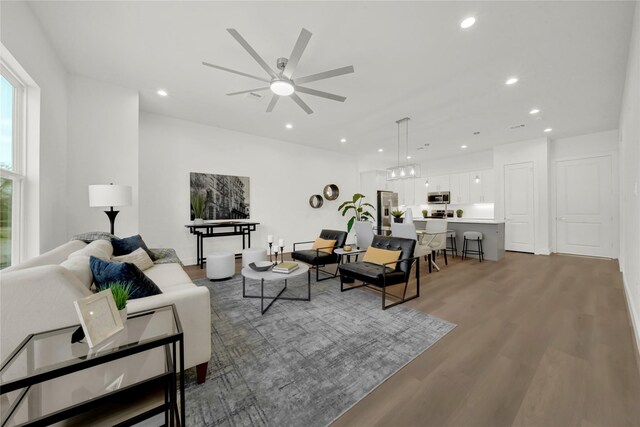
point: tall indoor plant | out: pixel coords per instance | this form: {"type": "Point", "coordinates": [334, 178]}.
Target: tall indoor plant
{"type": "Point", "coordinates": [197, 204]}
{"type": "Point", "coordinates": [357, 208]}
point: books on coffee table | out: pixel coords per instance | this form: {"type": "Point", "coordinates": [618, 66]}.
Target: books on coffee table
{"type": "Point", "coordinates": [285, 267]}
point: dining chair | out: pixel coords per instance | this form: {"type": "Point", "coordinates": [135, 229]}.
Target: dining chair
{"type": "Point", "coordinates": [364, 233]}
{"type": "Point", "coordinates": [408, 231]}
{"type": "Point", "coordinates": [436, 229]}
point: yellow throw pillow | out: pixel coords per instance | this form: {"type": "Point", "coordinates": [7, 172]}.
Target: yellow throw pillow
{"type": "Point", "coordinates": [324, 245]}
{"type": "Point", "coordinates": [381, 256]}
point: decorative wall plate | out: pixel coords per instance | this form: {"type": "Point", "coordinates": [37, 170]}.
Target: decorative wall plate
{"type": "Point", "coordinates": [331, 192]}
{"type": "Point", "coordinates": [315, 201]}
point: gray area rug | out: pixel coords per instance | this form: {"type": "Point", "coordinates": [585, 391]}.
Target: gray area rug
{"type": "Point", "coordinates": [302, 363]}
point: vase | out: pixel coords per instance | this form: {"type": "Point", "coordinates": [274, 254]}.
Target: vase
{"type": "Point", "coordinates": [198, 221]}
{"type": "Point", "coordinates": [123, 315]}
{"type": "Point", "coordinates": [399, 220]}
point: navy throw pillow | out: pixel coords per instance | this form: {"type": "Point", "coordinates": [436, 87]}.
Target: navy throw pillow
{"type": "Point", "coordinates": [129, 244]}
{"type": "Point", "coordinates": [105, 272]}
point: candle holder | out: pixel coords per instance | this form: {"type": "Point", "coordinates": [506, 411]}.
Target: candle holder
{"type": "Point", "coordinates": [275, 251]}
{"type": "Point", "coordinates": [281, 253]}
{"type": "Point", "coordinates": [270, 244]}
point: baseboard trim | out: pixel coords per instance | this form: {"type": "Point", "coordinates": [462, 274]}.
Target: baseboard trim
{"type": "Point", "coordinates": [635, 327]}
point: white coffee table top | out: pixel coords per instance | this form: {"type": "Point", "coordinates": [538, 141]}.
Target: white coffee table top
{"type": "Point", "coordinates": [250, 273]}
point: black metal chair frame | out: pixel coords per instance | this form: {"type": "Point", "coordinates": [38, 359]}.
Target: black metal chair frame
{"type": "Point", "coordinates": [384, 286]}
{"type": "Point", "coordinates": [454, 246]}
{"type": "Point", "coordinates": [479, 252]}
{"type": "Point", "coordinates": [317, 267]}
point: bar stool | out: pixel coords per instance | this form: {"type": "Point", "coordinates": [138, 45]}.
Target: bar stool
{"type": "Point", "coordinates": [472, 236]}
{"type": "Point", "coordinates": [451, 235]}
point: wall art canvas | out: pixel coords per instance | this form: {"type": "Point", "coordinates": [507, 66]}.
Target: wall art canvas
{"type": "Point", "coordinates": [225, 196]}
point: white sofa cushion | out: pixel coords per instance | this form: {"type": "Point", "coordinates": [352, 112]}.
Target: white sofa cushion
{"type": "Point", "coordinates": [139, 257]}
{"type": "Point", "coordinates": [53, 257]}
{"type": "Point", "coordinates": [167, 276]}
{"type": "Point", "coordinates": [79, 266]}
{"type": "Point", "coordinates": [98, 248]}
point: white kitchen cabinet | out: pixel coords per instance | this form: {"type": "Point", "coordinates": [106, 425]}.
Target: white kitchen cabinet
{"type": "Point", "coordinates": [481, 186]}
{"type": "Point", "coordinates": [420, 191]}
{"type": "Point", "coordinates": [438, 183]}
{"type": "Point", "coordinates": [459, 188]}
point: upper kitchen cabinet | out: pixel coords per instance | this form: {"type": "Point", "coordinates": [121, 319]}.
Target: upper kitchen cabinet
{"type": "Point", "coordinates": [481, 187]}
{"type": "Point", "coordinates": [438, 183]}
{"type": "Point", "coordinates": [459, 187]}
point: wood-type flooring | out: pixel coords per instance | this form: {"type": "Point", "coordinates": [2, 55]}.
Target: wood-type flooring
{"type": "Point", "coordinates": [541, 341]}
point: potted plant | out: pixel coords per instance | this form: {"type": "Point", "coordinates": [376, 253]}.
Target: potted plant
{"type": "Point", "coordinates": [360, 210]}
{"type": "Point", "coordinates": [459, 213]}
{"type": "Point", "coordinates": [121, 292]}
{"type": "Point", "coordinates": [397, 216]}
{"type": "Point", "coordinates": [425, 213]}
{"type": "Point", "coordinates": [197, 204]}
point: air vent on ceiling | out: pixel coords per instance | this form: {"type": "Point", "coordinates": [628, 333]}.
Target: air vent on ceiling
{"type": "Point", "coordinates": [254, 96]}
{"type": "Point", "coordinates": [517, 126]}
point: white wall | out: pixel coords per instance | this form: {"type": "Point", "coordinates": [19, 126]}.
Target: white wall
{"type": "Point", "coordinates": [22, 35]}
{"type": "Point", "coordinates": [630, 178]}
{"type": "Point", "coordinates": [536, 151]}
{"type": "Point", "coordinates": [583, 146]}
{"type": "Point", "coordinates": [103, 149]}
{"type": "Point", "coordinates": [283, 177]}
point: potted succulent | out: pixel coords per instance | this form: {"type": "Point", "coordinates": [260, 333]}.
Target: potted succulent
{"type": "Point", "coordinates": [121, 292]}
{"type": "Point", "coordinates": [197, 204]}
{"type": "Point", "coordinates": [397, 216]}
{"type": "Point", "coordinates": [459, 213]}
{"type": "Point", "coordinates": [360, 210]}
{"type": "Point", "coordinates": [425, 213]}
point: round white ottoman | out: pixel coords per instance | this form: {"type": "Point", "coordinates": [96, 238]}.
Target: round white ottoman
{"type": "Point", "coordinates": [252, 255]}
{"type": "Point", "coordinates": [220, 265]}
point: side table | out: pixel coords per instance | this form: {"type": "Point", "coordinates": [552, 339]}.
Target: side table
{"type": "Point", "coordinates": [130, 378]}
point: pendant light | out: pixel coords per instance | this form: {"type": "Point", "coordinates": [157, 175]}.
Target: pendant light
{"type": "Point", "coordinates": [408, 170]}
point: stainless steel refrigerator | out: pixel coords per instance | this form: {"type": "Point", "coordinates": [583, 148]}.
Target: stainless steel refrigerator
{"type": "Point", "coordinates": [387, 201]}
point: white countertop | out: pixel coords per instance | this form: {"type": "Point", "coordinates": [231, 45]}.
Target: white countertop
{"type": "Point", "coordinates": [466, 220]}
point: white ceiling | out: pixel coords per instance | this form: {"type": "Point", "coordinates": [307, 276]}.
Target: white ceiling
{"type": "Point", "coordinates": [410, 58]}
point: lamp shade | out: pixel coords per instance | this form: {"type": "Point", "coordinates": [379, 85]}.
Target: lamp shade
{"type": "Point", "coordinates": [109, 195]}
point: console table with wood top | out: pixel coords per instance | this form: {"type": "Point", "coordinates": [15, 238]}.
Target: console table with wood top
{"type": "Point", "coordinates": [210, 229]}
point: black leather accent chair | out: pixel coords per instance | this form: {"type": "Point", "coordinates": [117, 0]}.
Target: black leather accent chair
{"type": "Point", "coordinates": [383, 275]}
{"type": "Point", "coordinates": [317, 258]}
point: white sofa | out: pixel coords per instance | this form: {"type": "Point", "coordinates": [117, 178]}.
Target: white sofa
{"type": "Point", "coordinates": [38, 295]}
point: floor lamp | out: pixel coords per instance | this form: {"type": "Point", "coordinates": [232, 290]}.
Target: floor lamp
{"type": "Point", "coordinates": [109, 196]}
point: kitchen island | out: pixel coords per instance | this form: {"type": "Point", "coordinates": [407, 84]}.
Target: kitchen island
{"type": "Point", "coordinates": [492, 234]}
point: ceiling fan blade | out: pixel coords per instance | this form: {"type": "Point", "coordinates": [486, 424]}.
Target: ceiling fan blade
{"type": "Point", "coordinates": [235, 72]}
{"type": "Point", "coordinates": [320, 93]}
{"type": "Point", "coordinates": [252, 52]}
{"type": "Point", "coordinates": [272, 103]}
{"type": "Point", "coordinates": [260, 89]}
{"type": "Point", "coordinates": [301, 103]}
{"type": "Point", "coordinates": [296, 53]}
{"type": "Point", "coordinates": [325, 75]}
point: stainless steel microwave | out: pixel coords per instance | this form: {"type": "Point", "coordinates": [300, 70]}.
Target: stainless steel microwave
{"type": "Point", "coordinates": [439, 198]}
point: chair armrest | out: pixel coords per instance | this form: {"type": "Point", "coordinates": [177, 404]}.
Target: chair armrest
{"type": "Point", "coordinates": [384, 268]}
{"type": "Point", "coordinates": [301, 243]}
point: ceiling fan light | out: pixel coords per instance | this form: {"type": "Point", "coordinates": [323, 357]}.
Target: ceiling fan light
{"type": "Point", "coordinates": [282, 87]}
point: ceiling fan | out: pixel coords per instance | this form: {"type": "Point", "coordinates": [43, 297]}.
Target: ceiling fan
{"type": "Point", "coordinates": [281, 82]}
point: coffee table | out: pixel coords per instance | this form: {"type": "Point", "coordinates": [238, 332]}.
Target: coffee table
{"type": "Point", "coordinates": [270, 276]}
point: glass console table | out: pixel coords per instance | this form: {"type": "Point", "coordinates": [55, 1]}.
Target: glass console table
{"type": "Point", "coordinates": [129, 378]}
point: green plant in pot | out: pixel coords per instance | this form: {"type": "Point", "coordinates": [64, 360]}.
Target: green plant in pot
{"type": "Point", "coordinates": [121, 292]}
{"type": "Point", "coordinates": [358, 208]}
{"type": "Point", "coordinates": [198, 204]}
{"type": "Point", "coordinates": [397, 216]}
{"type": "Point", "coordinates": [425, 213]}
{"type": "Point", "coordinates": [459, 213]}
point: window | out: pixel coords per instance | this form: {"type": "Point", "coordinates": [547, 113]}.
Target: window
{"type": "Point", "coordinates": [11, 165]}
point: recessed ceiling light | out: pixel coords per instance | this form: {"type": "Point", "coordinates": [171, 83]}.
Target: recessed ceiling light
{"type": "Point", "coordinates": [463, 146]}
{"type": "Point", "coordinates": [380, 150]}
{"type": "Point", "coordinates": [468, 22]}
{"type": "Point", "coordinates": [408, 157]}
{"type": "Point", "coordinates": [343, 140]}
{"type": "Point", "coordinates": [511, 80]}
{"type": "Point", "coordinates": [162, 92]}
{"type": "Point", "coordinates": [534, 111]}
{"type": "Point", "coordinates": [548, 130]}
{"type": "Point", "coordinates": [288, 126]}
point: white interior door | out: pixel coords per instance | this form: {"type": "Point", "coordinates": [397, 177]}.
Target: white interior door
{"type": "Point", "coordinates": [518, 201]}
{"type": "Point", "coordinates": [584, 223]}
